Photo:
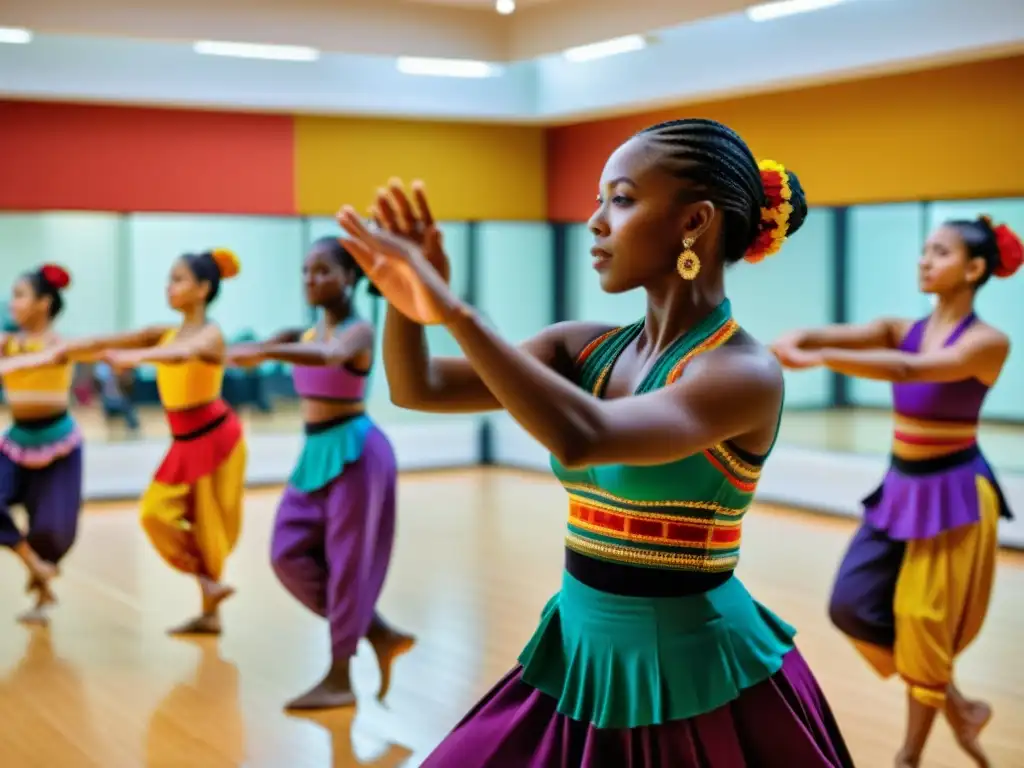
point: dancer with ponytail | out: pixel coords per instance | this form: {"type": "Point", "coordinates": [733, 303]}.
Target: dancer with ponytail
{"type": "Point", "coordinates": [652, 653]}
{"type": "Point", "coordinates": [41, 452]}
{"type": "Point", "coordinates": [192, 510]}
{"type": "Point", "coordinates": [913, 588]}
{"type": "Point", "coordinates": [335, 524]}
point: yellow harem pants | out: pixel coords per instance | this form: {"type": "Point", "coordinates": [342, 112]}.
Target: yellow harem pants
{"type": "Point", "coordinates": [195, 527]}
{"type": "Point", "coordinates": [941, 597]}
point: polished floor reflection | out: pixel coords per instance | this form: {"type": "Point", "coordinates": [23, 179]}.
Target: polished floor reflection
{"type": "Point", "coordinates": [478, 554]}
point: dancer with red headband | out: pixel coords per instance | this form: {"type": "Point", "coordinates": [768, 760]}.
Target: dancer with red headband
{"type": "Point", "coordinates": [914, 586]}
{"type": "Point", "coordinates": [652, 653]}
{"type": "Point", "coordinates": [41, 452]}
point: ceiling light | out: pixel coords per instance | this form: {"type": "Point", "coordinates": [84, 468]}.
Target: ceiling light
{"type": "Point", "coordinates": [780, 8]}
{"type": "Point", "coordinates": [505, 7]}
{"type": "Point", "coordinates": [411, 65]}
{"type": "Point", "coordinates": [613, 47]}
{"type": "Point", "coordinates": [15, 35]}
{"type": "Point", "coordinates": [257, 51]}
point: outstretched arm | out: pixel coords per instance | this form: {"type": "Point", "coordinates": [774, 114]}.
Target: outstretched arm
{"type": "Point", "coordinates": [980, 355]}
{"type": "Point", "coordinates": [91, 348]}
{"type": "Point", "coordinates": [353, 340]}
{"type": "Point", "coordinates": [884, 333]}
{"type": "Point", "coordinates": [725, 395]}
{"type": "Point", "coordinates": [207, 345]}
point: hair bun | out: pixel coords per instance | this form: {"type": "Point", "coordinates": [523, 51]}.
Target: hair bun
{"type": "Point", "coordinates": [227, 262]}
{"type": "Point", "coordinates": [55, 275]}
{"type": "Point", "coordinates": [1011, 251]}
{"type": "Point", "coordinates": [774, 225]}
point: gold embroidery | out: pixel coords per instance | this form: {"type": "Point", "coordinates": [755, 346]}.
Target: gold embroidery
{"type": "Point", "coordinates": [680, 561]}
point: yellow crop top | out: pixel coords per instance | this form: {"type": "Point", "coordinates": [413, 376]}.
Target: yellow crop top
{"type": "Point", "coordinates": [47, 385]}
{"type": "Point", "coordinates": [188, 384]}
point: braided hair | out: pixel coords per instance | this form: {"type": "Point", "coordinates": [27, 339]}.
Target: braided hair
{"type": "Point", "coordinates": [720, 166]}
{"type": "Point", "coordinates": [338, 251]}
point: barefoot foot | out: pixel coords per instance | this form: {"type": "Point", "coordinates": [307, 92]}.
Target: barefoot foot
{"type": "Point", "coordinates": [207, 624]}
{"type": "Point", "coordinates": [968, 720]}
{"type": "Point", "coordinates": [388, 644]}
{"type": "Point", "coordinates": [905, 760]}
{"type": "Point", "coordinates": [327, 694]}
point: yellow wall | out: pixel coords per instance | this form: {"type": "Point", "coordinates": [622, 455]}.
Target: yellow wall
{"type": "Point", "coordinates": [471, 171]}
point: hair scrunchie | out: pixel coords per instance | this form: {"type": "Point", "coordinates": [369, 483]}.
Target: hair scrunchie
{"type": "Point", "coordinates": [774, 224]}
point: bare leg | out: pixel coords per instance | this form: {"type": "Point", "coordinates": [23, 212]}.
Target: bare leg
{"type": "Point", "coordinates": [968, 719]}
{"type": "Point", "coordinates": [388, 644]}
{"type": "Point", "coordinates": [208, 622]}
{"type": "Point", "coordinates": [920, 719]}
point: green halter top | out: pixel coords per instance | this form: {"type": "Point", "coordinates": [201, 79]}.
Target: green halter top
{"type": "Point", "coordinates": [682, 515]}
{"type": "Point", "coordinates": [619, 661]}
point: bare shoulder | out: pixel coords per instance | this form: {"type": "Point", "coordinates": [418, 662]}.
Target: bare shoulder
{"type": "Point", "coordinates": [742, 364]}
{"type": "Point", "coordinates": [989, 334]}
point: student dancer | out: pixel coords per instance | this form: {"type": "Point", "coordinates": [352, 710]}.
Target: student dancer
{"type": "Point", "coordinates": [653, 653]}
{"type": "Point", "coordinates": [192, 510]}
{"type": "Point", "coordinates": [335, 524]}
{"type": "Point", "coordinates": [41, 452]}
{"type": "Point", "coordinates": [914, 586]}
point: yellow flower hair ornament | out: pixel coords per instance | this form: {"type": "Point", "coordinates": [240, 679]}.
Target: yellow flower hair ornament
{"type": "Point", "coordinates": [227, 263]}
{"type": "Point", "coordinates": [774, 224]}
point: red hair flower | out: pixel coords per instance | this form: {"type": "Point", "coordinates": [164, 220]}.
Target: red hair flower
{"type": "Point", "coordinates": [1011, 252]}
{"type": "Point", "coordinates": [56, 276]}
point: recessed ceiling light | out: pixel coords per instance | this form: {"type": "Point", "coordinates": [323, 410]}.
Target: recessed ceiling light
{"type": "Point", "coordinates": [15, 35]}
{"type": "Point", "coordinates": [411, 65]}
{"type": "Point", "coordinates": [505, 7]}
{"type": "Point", "coordinates": [776, 10]}
{"type": "Point", "coordinates": [256, 51]}
{"type": "Point", "coordinates": [618, 45]}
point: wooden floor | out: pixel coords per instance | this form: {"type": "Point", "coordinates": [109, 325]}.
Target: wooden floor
{"type": "Point", "coordinates": [478, 554]}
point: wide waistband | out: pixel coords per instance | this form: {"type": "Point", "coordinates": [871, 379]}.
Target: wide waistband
{"type": "Point", "coordinates": [193, 423]}
{"type": "Point", "coordinates": [925, 439]}
{"type": "Point", "coordinates": [933, 464]}
{"type": "Point", "coordinates": [654, 540]}
{"type": "Point", "coordinates": [319, 427]}
{"type": "Point", "coordinates": [34, 425]}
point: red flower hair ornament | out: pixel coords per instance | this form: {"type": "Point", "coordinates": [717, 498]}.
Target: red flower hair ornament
{"type": "Point", "coordinates": [1011, 251]}
{"type": "Point", "coordinates": [55, 275]}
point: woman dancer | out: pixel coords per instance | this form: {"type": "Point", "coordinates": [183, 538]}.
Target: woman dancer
{"type": "Point", "coordinates": [652, 653]}
{"type": "Point", "coordinates": [335, 524]}
{"type": "Point", "coordinates": [913, 588]}
{"type": "Point", "coordinates": [41, 453]}
{"type": "Point", "coordinates": [192, 511]}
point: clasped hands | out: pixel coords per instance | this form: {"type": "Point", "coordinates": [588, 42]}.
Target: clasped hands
{"type": "Point", "coordinates": [401, 253]}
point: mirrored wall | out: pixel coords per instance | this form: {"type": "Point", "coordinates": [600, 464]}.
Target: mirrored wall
{"type": "Point", "coordinates": [850, 264]}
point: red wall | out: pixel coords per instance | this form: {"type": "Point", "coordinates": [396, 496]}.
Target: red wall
{"type": "Point", "coordinates": [75, 157]}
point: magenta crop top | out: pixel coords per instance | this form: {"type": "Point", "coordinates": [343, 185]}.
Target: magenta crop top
{"type": "Point", "coordinates": [328, 382]}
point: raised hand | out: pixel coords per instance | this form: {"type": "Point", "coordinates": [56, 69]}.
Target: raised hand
{"type": "Point", "coordinates": [397, 265]}
{"type": "Point", "coordinates": [413, 220]}
{"type": "Point", "coordinates": [244, 355]}
{"type": "Point", "coordinates": [795, 358]}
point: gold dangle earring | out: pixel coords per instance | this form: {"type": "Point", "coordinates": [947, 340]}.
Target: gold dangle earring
{"type": "Point", "coordinates": [688, 263]}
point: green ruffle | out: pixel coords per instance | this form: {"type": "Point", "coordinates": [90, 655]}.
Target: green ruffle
{"type": "Point", "coordinates": [628, 662]}
{"type": "Point", "coordinates": [325, 454]}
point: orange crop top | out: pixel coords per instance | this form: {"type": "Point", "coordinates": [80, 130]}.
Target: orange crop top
{"type": "Point", "coordinates": [47, 385]}
{"type": "Point", "coordinates": [188, 384]}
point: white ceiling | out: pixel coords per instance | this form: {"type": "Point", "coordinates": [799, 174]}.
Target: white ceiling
{"type": "Point", "coordinates": [453, 28]}
{"type": "Point", "coordinates": [142, 54]}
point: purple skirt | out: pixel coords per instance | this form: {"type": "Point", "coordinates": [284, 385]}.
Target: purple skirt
{"type": "Point", "coordinates": [783, 722]}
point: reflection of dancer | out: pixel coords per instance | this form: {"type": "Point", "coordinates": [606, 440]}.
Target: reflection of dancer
{"type": "Point", "coordinates": [652, 653]}
{"type": "Point", "coordinates": [192, 511]}
{"type": "Point", "coordinates": [336, 522]}
{"type": "Point", "coordinates": [41, 453]}
{"type": "Point", "coordinates": [914, 587]}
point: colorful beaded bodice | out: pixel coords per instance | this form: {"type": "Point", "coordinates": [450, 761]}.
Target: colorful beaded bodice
{"type": "Point", "coordinates": [683, 515]}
